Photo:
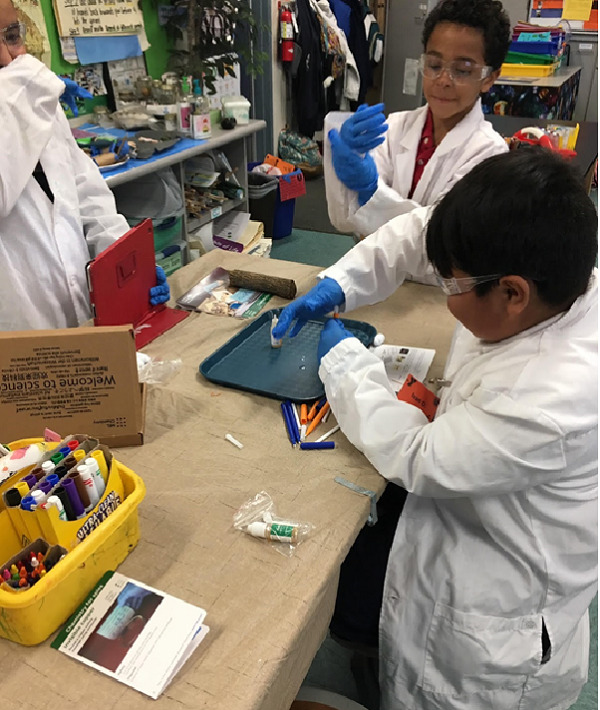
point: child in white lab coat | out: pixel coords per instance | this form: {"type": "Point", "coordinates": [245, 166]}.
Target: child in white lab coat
{"type": "Point", "coordinates": [493, 562]}
{"type": "Point", "coordinates": [371, 178]}
{"type": "Point", "coordinates": [56, 211]}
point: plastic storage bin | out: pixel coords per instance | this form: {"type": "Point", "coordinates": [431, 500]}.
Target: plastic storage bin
{"type": "Point", "coordinates": [171, 257]}
{"type": "Point", "coordinates": [266, 205]}
{"type": "Point", "coordinates": [527, 70]}
{"type": "Point", "coordinates": [30, 616]}
{"type": "Point", "coordinates": [166, 231]}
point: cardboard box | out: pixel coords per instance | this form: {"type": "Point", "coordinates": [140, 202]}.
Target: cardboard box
{"type": "Point", "coordinates": [77, 379]}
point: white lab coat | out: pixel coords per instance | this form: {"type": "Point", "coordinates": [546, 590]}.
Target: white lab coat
{"type": "Point", "coordinates": [499, 530]}
{"type": "Point", "coordinates": [43, 247]}
{"type": "Point", "coordinates": [466, 145]}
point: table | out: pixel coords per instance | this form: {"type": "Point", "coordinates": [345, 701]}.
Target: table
{"type": "Point", "coordinates": [587, 140]}
{"type": "Point", "coordinates": [268, 613]}
{"type": "Point", "coordinates": [552, 97]}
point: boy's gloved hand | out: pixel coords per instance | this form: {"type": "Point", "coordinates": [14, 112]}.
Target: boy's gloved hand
{"type": "Point", "coordinates": [73, 91]}
{"type": "Point", "coordinates": [161, 292]}
{"type": "Point", "coordinates": [333, 332]}
{"type": "Point", "coordinates": [357, 172]}
{"type": "Point", "coordinates": [364, 130]}
{"type": "Point", "coordinates": [321, 299]}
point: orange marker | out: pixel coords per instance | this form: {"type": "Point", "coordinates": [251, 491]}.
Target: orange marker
{"type": "Point", "coordinates": [312, 411]}
{"type": "Point", "coordinates": [322, 412]}
{"type": "Point", "coordinates": [303, 414]}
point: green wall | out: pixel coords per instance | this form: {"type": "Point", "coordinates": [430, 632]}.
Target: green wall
{"type": "Point", "coordinates": [156, 56]}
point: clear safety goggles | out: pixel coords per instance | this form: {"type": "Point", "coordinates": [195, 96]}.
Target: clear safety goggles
{"type": "Point", "coordinates": [460, 71]}
{"type": "Point", "coordinates": [452, 287]}
{"type": "Point", "coordinates": [14, 35]}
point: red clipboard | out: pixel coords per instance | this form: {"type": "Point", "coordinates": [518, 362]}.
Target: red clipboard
{"type": "Point", "coordinates": [119, 281]}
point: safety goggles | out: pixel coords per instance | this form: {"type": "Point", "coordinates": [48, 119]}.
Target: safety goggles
{"type": "Point", "coordinates": [460, 71]}
{"type": "Point", "coordinates": [452, 287]}
{"type": "Point", "coordinates": [14, 35]}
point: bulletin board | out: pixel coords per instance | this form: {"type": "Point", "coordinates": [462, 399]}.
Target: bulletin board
{"type": "Point", "coordinates": [156, 56]}
{"type": "Point", "coordinates": [582, 15]}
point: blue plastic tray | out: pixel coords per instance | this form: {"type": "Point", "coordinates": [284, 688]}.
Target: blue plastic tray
{"type": "Point", "coordinates": [248, 362]}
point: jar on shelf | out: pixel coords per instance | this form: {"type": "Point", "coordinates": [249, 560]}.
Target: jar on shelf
{"type": "Point", "coordinates": [143, 88]}
{"type": "Point", "coordinates": [102, 116]}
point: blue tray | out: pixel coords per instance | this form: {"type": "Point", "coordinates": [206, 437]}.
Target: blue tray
{"type": "Point", "coordinates": [248, 362]}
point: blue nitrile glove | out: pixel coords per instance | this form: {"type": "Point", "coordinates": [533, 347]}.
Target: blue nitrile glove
{"type": "Point", "coordinates": [132, 596]}
{"type": "Point", "coordinates": [161, 292]}
{"type": "Point", "coordinates": [357, 172]}
{"type": "Point", "coordinates": [73, 91]}
{"type": "Point", "coordinates": [321, 299]}
{"type": "Point", "coordinates": [364, 130]}
{"type": "Point", "coordinates": [333, 331]}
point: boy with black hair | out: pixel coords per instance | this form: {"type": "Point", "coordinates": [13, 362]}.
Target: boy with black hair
{"type": "Point", "coordinates": [494, 559]}
{"type": "Point", "coordinates": [370, 178]}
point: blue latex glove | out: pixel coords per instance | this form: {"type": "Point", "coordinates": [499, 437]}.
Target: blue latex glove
{"type": "Point", "coordinates": [132, 596]}
{"type": "Point", "coordinates": [161, 292]}
{"type": "Point", "coordinates": [333, 332]}
{"type": "Point", "coordinates": [320, 300]}
{"type": "Point", "coordinates": [72, 92]}
{"type": "Point", "coordinates": [357, 172]}
{"type": "Point", "coordinates": [364, 130]}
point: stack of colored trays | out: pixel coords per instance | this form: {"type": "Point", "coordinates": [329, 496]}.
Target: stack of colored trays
{"type": "Point", "coordinates": [534, 53]}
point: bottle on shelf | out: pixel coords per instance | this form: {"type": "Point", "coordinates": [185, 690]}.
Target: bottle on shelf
{"type": "Point", "coordinates": [184, 107]}
{"type": "Point", "coordinates": [200, 118]}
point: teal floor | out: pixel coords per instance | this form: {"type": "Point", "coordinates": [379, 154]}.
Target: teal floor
{"type": "Point", "coordinates": [331, 667]}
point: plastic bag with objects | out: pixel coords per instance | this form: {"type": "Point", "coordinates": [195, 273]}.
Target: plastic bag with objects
{"type": "Point", "coordinates": [257, 517]}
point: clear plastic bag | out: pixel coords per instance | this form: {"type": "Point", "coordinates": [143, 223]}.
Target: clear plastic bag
{"type": "Point", "coordinates": [156, 372]}
{"type": "Point", "coordinates": [257, 518]}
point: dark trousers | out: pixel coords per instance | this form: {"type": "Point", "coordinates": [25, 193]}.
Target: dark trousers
{"type": "Point", "coordinates": [360, 591]}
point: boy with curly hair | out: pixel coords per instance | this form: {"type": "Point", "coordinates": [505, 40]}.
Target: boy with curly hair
{"type": "Point", "coordinates": [371, 178]}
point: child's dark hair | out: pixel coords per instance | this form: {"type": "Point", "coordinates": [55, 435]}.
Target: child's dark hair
{"type": "Point", "coordinates": [485, 15]}
{"type": "Point", "coordinates": [523, 213]}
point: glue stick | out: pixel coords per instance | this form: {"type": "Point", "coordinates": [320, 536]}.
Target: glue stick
{"type": "Point", "coordinates": [274, 531]}
{"type": "Point", "coordinates": [275, 342]}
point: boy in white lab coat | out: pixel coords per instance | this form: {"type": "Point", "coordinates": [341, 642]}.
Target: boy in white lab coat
{"type": "Point", "coordinates": [371, 178]}
{"type": "Point", "coordinates": [493, 563]}
{"type": "Point", "coordinates": [56, 211]}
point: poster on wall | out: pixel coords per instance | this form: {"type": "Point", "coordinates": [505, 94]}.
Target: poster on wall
{"type": "Point", "coordinates": [97, 18]}
{"type": "Point", "coordinates": [30, 12]}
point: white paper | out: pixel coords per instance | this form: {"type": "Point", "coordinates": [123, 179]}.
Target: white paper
{"type": "Point", "coordinates": [231, 225]}
{"type": "Point", "coordinates": [411, 75]}
{"type": "Point", "coordinates": [136, 634]}
{"type": "Point", "coordinates": [400, 361]}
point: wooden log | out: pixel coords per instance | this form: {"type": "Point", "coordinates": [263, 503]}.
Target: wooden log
{"type": "Point", "coordinates": [260, 282]}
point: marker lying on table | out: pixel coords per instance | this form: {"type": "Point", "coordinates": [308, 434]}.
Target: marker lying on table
{"type": "Point", "coordinates": [288, 424]}
{"type": "Point", "coordinates": [317, 445]}
{"type": "Point", "coordinates": [321, 413]}
{"type": "Point", "coordinates": [329, 433]}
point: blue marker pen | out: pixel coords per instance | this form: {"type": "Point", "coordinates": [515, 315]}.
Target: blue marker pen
{"type": "Point", "coordinates": [286, 420]}
{"type": "Point", "coordinates": [317, 445]}
{"type": "Point", "coordinates": [293, 423]}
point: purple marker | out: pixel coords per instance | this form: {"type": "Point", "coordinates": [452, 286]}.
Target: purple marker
{"type": "Point", "coordinates": [76, 504]}
{"type": "Point", "coordinates": [45, 487]}
{"type": "Point", "coordinates": [30, 480]}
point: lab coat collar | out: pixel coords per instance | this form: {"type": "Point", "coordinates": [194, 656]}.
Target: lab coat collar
{"type": "Point", "coordinates": [465, 128]}
{"type": "Point", "coordinates": [579, 310]}
{"type": "Point", "coordinates": [412, 136]}
{"type": "Point", "coordinates": [455, 138]}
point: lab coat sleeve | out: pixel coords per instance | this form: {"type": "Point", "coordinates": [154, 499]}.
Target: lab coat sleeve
{"type": "Point", "coordinates": [373, 269]}
{"type": "Point", "coordinates": [386, 203]}
{"type": "Point", "coordinates": [102, 224]}
{"type": "Point", "coordinates": [29, 94]}
{"type": "Point", "coordinates": [489, 445]}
